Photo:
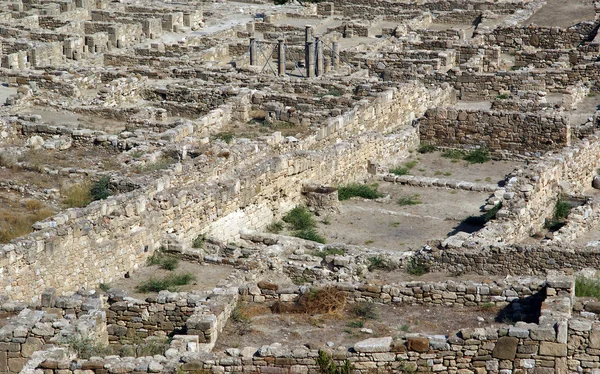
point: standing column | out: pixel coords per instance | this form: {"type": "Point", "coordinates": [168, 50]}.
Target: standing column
{"type": "Point", "coordinates": [281, 58]}
{"type": "Point", "coordinates": [252, 51]}
{"type": "Point", "coordinates": [335, 55]}
{"type": "Point", "coordinates": [319, 57]}
{"type": "Point", "coordinates": [310, 58]}
{"type": "Point", "coordinates": [307, 38]}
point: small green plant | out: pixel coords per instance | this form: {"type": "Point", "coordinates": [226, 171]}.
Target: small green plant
{"type": "Point", "coordinates": [503, 96]}
{"type": "Point", "coordinates": [310, 234]}
{"type": "Point", "coordinates": [488, 179]}
{"type": "Point", "coordinates": [329, 251]}
{"type": "Point", "coordinates": [104, 287]}
{"type": "Point", "coordinates": [370, 241]}
{"type": "Point", "coordinates": [400, 170]}
{"type": "Point", "coordinates": [137, 154]}
{"type": "Point", "coordinates": [365, 310]}
{"type": "Point", "coordinates": [161, 163]}
{"type": "Point", "coordinates": [478, 156]}
{"type": "Point", "coordinates": [416, 267]}
{"type": "Point", "coordinates": [427, 148]}
{"type": "Point", "coordinates": [154, 345]}
{"type": "Point", "coordinates": [163, 261]}
{"type": "Point", "coordinates": [86, 347]}
{"type": "Point", "coordinates": [561, 209]}
{"type": "Point", "coordinates": [454, 154]}
{"type": "Point", "coordinates": [356, 324]}
{"type": "Point", "coordinates": [275, 227]}
{"type": "Point", "coordinates": [328, 366]}
{"type": "Point", "coordinates": [405, 328]}
{"type": "Point", "coordinates": [358, 190]}
{"type": "Point", "coordinates": [100, 189]}
{"type": "Point", "coordinates": [198, 241]}
{"type": "Point", "coordinates": [326, 221]}
{"type": "Point", "coordinates": [171, 282]}
{"type": "Point", "coordinates": [299, 219]}
{"type": "Point", "coordinates": [487, 306]}
{"type": "Point", "coordinates": [587, 287]}
{"type": "Point", "coordinates": [380, 263]}
{"type": "Point", "coordinates": [243, 322]}
{"type": "Point", "coordinates": [491, 214]}
{"type": "Point", "coordinates": [409, 200]}
{"type": "Point", "coordinates": [227, 137]}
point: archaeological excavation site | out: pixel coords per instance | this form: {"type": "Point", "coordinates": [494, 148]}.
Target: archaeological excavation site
{"type": "Point", "coordinates": [300, 186]}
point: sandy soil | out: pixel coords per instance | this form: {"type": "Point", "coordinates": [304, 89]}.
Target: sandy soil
{"type": "Point", "coordinates": [297, 329]}
{"type": "Point", "coordinates": [562, 13]}
{"type": "Point", "coordinates": [207, 276]}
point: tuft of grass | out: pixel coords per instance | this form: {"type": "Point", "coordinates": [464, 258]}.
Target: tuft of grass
{"type": "Point", "coordinates": [503, 96]}
{"type": "Point", "coordinates": [275, 227]}
{"type": "Point", "coordinates": [78, 195]}
{"type": "Point", "coordinates": [380, 263]}
{"type": "Point", "coordinates": [100, 189]}
{"type": "Point", "coordinates": [15, 222]}
{"type": "Point", "coordinates": [86, 347]}
{"type": "Point", "coordinates": [478, 156]}
{"type": "Point", "coordinates": [487, 306]}
{"type": "Point", "coordinates": [427, 148]}
{"type": "Point", "coordinates": [356, 324]}
{"type": "Point", "coordinates": [358, 190]}
{"type": "Point", "coordinates": [300, 219]}
{"type": "Point", "coordinates": [409, 200]}
{"type": "Point", "coordinates": [241, 319]}
{"type": "Point", "coordinates": [405, 328]}
{"type": "Point", "coordinates": [171, 282]}
{"type": "Point", "coordinates": [163, 261]}
{"type": "Point", "coordinates": [587, 287]}
{"type": "Point", "coordinates": [160, 164]}
{"type": "Point", "coordinates": [310, 234]}
{"type": "Point", "coordinates": [400, 170]}
{"type": "Point", "coordinates": [104, 287]}
{"type": "Point", "coordinates": [561, 209]}
{"type": "Point", "coordinates": [365, 310]}
{"type": "Point", "coordinates": [454, 154]}
{"type": "Point", "coordinates": [415, 267]}
{"type": "Point", "coordinates": [198, 241]}
{"type": "Point", "coordinates": [328, 251]}
{"type": "Point", "coordinates": [227, 137]}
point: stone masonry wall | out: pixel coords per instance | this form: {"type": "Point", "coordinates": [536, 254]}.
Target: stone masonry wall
{"type": "Point", "coordinates": [498, 131]}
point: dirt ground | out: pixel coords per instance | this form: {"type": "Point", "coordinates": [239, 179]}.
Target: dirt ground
{"type": "Point", "coordinates": [562, 13]}
{"type": "Point", "coordinates": [55, 117]}
{"type": "Point", "coordinates": [344, 329]}
{"type": "Point", "coordinates": [434, 165]}
{"type": "Point", "coordinates": [207, 276]}
{"type": "Point", "coordinates": [391, 226]}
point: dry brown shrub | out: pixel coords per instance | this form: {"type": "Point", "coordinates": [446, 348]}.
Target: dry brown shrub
{"type": "Point", "coordinates": [15, 223]}
{"type": "Point", "coordinates": [326, 300]}
{"type": "Point", "coordinates": [78, 195]}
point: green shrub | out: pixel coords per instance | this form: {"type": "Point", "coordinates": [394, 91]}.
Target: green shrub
{"type": "Point", "coordinates": [100, 189]}
{"type": "Point", "coordinates": [300, 218]}
{"type": "Point", "coordinates": [365, 310]}
{"type": "Point", "coordinates": [561, 209]}
{"type": "Point", "coordinates": [86, 347]}
{"type": "Point", "coordinates": [380, 263]}
{"type": "Point", "coordinates": [162, 260]}
{"type": "Point", "coordinates": [491, 214]}
{"type": "Point", "coordinates": [358, 190]}
{"type": "Point", "coordinates": [587, 287]}
{"type": "Point", "coordinates": [356, 324]}
{"type": "Point", "coordinates": [416, 267]}
{"type": "Point", "coordinates": [328, 366]}
{"type": "Point", "coordinates": [154, 345]}
{"type": "Point", "coordinates": [454, 154]}
{"type": "Point", "coordinates": [227, 137]}
{"type": "Point", "coordinates": [275, 227]}
{"type": "Point", "coordinates": [400, 170]}
{"type": "Point", "coordinates": [409, 200]}
{"type": "Point", "coordinates": [171, 282]}
{"type": "Point", "coordinates": [329, 251]}
{"type": "Point", "coordinates": [503, 96]}
{"type": "Point", "coordinates": [310, 234]}
{"type": "Point", "coordinates": [104, 287]}
{"type": "Point", "coordinates": [427, 148]}
{"type": "Point", "coordinates": [198, 241]}
{"type": "Point", "coordinates": [478, 156]}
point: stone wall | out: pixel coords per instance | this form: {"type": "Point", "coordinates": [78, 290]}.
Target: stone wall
{"type": "Point", "coordinates": [82, 247]}
{"type": "Point", "coordinates": [498, 131]}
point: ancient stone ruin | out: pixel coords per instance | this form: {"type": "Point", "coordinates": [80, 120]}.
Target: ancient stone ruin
{"type": "Point", "coordinates": [300, 186]}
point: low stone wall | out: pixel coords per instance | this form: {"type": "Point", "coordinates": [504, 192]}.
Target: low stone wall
{"type": "Point", "coordinates": [498, 131]}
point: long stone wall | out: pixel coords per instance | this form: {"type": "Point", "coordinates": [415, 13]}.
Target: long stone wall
{"type": "Point", "coordinates": [82, 247]}
{"type": "Point", "coordinates": [496, 130]}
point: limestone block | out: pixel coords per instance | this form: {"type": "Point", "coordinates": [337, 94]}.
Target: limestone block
{"type": "Point", "coordinates": [553, 349]}
{"type": "Point", "coordinates": [375, 345]}
{"type": "Point", "coordinates": [506, 348]}
{"type": "Point", "coordinates": [418, 344]}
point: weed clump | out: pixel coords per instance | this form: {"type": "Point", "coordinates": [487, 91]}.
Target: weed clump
{"type": "Point", "coordinates": [427, 148]}
{"type": "Point", "coordinates": [275, 227]}
{"type": "Point", "coordinates": [328, 366]}
{"type": "Point", "coordinates": [409, 200]}
{"type": "Point", "coordinates": [198, 241]}
{"type": "Point", "coordinates": [477, 156]}
{"type": "Point", "coordinates": [358, 190]}
{"type": "Point", "coordinates": [300, 218]}
{"type": "Point", "coordinates": [78, 195]}
{"type": "Point", "coordinates": [100, 189]}
{"type": "Point", "coordinates": [560, 213]}
{"type": "Point", "coordinates": [380, 263]}
{"type": "Point", "coordinates": [171, 283]}
{"type": "Point", "coordinates": [587, 287]}
{"type": "Point", "coordinates": [310, 234]}
{"type": "Point", "coordinates": [328, 300]}
{"type": "Point", "coordinates": [163, 261]}
{"type": "Point", "coordinates": [365, 310]}
{"type": "Point", "coordinates": [242, 319]}
{"type": "Point", "coordinates": [416, 267]}
{"type": "Point", "coordinates": [328, 251]}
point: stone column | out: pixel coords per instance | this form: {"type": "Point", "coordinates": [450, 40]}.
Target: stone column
{"type": "Point", "coordinates": [319, 57]}
{"type": "Point", "coordinates": [310, 60]}
{"type": "Point", "coordinates": [307, 38]}
{"type": "Point", "coordinates": [281, 58]}
{"type": "Point", "coordinates": [252, 51]}
{"type": "Point", "coordinates": [335, 55]}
